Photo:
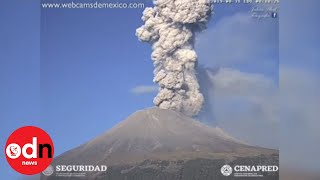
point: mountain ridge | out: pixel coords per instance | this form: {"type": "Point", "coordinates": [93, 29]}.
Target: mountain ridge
{"type": "Point", "coordinates": [160, 136]}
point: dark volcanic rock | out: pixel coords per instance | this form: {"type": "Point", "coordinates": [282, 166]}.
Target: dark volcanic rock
{"type": "Point", "coordinates": [197, 169]}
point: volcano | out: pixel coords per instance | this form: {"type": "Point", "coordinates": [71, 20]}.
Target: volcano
{"type": "Point", "coordinates": [159, 144]}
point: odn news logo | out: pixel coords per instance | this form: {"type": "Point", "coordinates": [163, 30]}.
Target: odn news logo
{"type": "Point", "coordinates": [29, 150]}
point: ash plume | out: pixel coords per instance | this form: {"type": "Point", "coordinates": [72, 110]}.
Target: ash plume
{"type": "Point", "coordinates": [170, 27]}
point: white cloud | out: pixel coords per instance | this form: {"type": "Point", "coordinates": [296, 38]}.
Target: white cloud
{"type": "Point", "coordinates": [245, 105]}
{"type": "Point", "coordinates": [234, 82]}
{"type": "Point", "coordinates": [250, 107]}
{"type": "Point", "coordinates": [144, 89]}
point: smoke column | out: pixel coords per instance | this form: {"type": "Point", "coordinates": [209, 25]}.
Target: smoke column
{"type": "Point", "coordinates": [204, 75]}
{"type": "Point", "coordinates": [170, 27]}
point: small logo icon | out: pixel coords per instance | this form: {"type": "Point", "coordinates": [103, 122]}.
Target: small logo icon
{"type": "Point", "coordinates": [274, 15]}
{"type": "Point", "coordinates": [29, 150]}
{"type": "Point", "coordinates": [14, 151]}
{"type": "Point", "coordinates": [226, 170]}
{"type": "Point", "coordinates": [49, 171]}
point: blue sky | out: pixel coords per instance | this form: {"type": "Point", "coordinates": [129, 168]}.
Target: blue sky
{"type": "Point", "coordinates": [71, 71]}
{"type": "Point", "coordinates": [19, 71]}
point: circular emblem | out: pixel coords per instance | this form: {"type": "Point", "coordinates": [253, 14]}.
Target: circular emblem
{"type": "Point", "coordinates": [29, 150]}
{"type": "Point", "coordinates": [48, 171]}
{"type": "Point", "coordinates": [226, 170]}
